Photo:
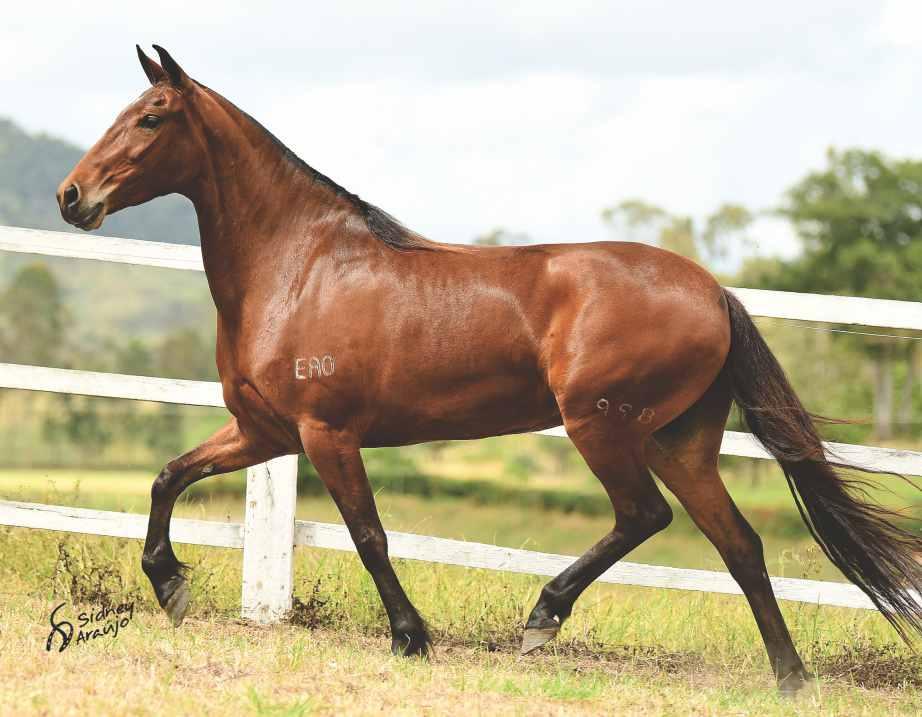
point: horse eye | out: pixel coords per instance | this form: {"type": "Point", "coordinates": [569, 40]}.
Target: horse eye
{"type": "Point", "coordinates": [149, 121]}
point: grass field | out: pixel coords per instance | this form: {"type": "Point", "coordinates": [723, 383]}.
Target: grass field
{"type": "Point", "coordinates": [624, 651]}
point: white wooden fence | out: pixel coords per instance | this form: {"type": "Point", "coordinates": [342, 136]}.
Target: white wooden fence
{"type": "Point", "coordinates": [270, 530]}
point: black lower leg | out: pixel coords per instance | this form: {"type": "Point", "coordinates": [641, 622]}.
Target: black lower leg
{"type": "Point", "coordinates": [749, 571]}
{"type": "Point", "coordinates": [786, 664]}
{"type": "Point", "coordinates": [640, 511]}
{"type": "Point", "coordinates": [159, 562]}
{"type": "Point", "coordinates": [712, 509]}
{"type": "Point", "coordinates": [339, 463]}
{"type": "Point", "coordinates": [408, 631]}
{"type": "Point", "coordinates": [557, 597]}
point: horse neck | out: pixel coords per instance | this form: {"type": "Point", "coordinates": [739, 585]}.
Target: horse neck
{"type": "Point", "coordinates": [258, 212]}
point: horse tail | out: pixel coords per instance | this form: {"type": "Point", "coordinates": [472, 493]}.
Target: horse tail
{"type": "Point", "coordinates": [861, 538]}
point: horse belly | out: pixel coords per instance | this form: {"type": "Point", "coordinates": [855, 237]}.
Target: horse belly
{"type": "Point", "coordinates": [487, 406]}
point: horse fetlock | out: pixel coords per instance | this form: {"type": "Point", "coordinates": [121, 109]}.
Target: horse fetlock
{"type": "Point", "coordinates": [165, 573]}
{"type": "Point", "coordinates": [160, 563]}
{"type": "Point", "coordinates": [551, 606]}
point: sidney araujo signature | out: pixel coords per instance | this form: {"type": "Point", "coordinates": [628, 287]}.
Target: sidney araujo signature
{"type": "Point", "coordinates": [92, 624]}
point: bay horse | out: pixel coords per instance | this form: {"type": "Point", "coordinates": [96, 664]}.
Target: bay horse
{"type": "Point", "coordinates": [338, 328]}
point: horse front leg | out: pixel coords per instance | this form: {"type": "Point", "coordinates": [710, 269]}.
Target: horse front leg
{"type": "Point", "coordinates": [336, 457]}
{"type": "Point", "coordinates": [227, 450]}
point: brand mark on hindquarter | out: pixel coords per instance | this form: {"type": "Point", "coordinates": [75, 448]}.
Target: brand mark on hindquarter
{"type": "Point", "coordinates": [627, 411]}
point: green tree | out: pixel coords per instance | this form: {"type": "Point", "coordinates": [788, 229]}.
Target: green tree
{"type": "Point", "coordinates": [183, 354]}
{"type": "Point", "coordinates": [162, 430]}
{"type": "Point", "coordinates": [33, 322]}
{"type": "Point", "coordinates": [860, 219]}
{"type": "Point", "coordinates": [501, 237]}
{"type": "Point", "coordinates": [134, 358]}
{"type": "Point", "coordinates": [727, 227]}
{"type": "Point", "coordinates": [723, 230]}
{"type": "Point", "coordinates": [77, 420]}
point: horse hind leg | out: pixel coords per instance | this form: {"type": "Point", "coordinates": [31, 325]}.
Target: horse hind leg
{"type": "Point", "coordinates": [684, 456]}
{"type": "Point", "coordinates": [640, 512]}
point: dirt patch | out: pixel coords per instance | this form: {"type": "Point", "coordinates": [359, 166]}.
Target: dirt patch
{"type": "Point", "coordinates": [645, 657]}
{"type": "Point", "coordinates": [871, 666]}
{"type": "Point", "coordinates": [309, 613]}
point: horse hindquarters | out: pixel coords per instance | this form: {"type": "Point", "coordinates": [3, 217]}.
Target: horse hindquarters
{"type": "Point", "coordinates": [611, 401]}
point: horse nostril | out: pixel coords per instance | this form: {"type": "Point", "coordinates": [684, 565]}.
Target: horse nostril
{"type": "Point", "coordinates": [71, 195]}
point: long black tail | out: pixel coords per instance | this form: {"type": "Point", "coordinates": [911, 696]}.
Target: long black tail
{"type": "Point", "coordinates": [859, 536]}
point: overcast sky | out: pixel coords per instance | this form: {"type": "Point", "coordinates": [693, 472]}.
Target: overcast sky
{"type": "Point", "coordinates": [533, 116]}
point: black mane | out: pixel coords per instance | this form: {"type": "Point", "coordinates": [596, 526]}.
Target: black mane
{"type": "Point", "coordinates": [382, 225]}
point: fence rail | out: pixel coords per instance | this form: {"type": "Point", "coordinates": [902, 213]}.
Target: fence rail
{"type": "Point", "coordinates": [270, 530]}
{"type": "Point", "coordinates": [883, 313]}
{"type": "Point", "coordinates": [421, 547]}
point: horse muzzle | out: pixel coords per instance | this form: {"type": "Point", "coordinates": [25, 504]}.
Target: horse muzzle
{"type": "Point", "coordinates": [77, 210]}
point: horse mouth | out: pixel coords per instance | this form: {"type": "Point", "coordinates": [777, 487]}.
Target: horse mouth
{"type": "Point", "coordinates": [91, 220]}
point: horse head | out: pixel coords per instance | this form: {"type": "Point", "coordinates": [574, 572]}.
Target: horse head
{"type": "Point", "coordinates": [149, 150]}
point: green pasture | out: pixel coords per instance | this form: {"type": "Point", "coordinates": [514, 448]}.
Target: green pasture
{"type": "Point", "coordinates": [624, 651]}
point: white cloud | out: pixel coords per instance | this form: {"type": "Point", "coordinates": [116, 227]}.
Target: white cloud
{"type": "Point", "coordinates": [459, 117]}
{"type": "Point", "coordinates": [900, 22]}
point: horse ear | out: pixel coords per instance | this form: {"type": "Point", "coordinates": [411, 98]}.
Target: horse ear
{"type": "Point", "coordinates": [178, 78]}
{"type": "Point", "coordinates": [153, 71]}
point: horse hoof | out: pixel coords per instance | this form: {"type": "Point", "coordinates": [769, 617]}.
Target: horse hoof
{"type": "Point", "coordinates": [535, 637]}
{"type": "Point", "coordinates": [412, 645]}
{"type": "Point", "coordinates": [791, 685]}
{"type": "Point", "coordinates": [177, 605]}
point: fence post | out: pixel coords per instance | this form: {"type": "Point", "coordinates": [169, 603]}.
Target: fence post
{"type": "Point", "coordinates": [268, 539]}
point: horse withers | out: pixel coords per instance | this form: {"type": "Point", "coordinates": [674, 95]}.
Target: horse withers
{"type": "Point", "coordinates": [339, 328]}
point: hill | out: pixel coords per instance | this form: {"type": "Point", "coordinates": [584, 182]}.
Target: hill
{"type": "Point", "coordinates": [32, 166]}
{"type": "Point", "coordinates": [103, 300]}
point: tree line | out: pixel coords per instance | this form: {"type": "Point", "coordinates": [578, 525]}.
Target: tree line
{"type": "Point", "coordinates": [37, 329]}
